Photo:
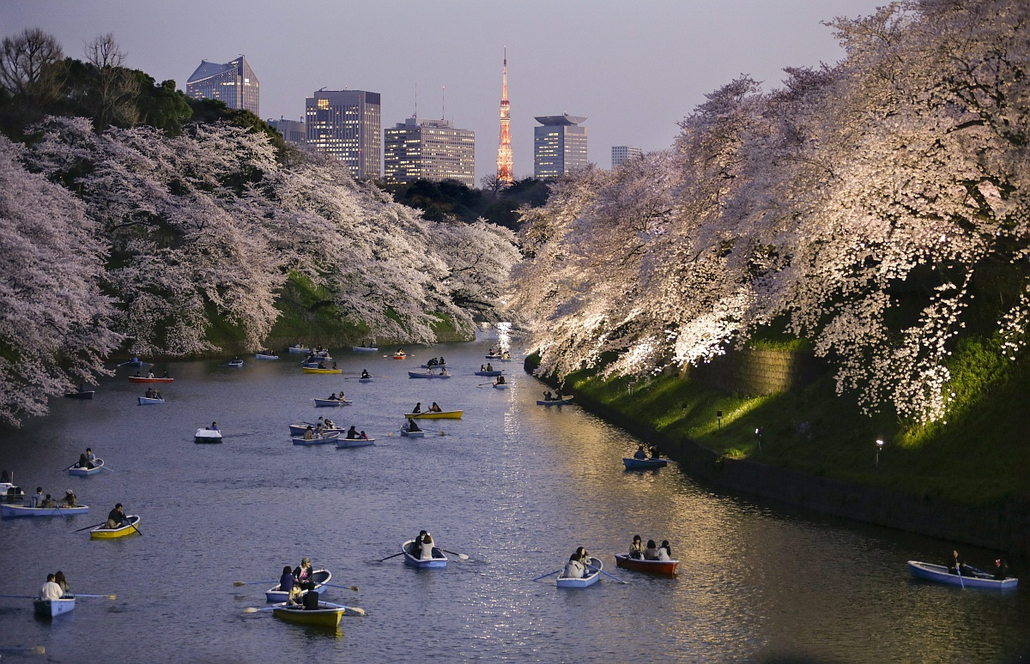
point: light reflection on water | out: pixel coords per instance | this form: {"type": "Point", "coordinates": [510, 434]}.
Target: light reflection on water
{"type": "Point", "coordinates": [515, 486]}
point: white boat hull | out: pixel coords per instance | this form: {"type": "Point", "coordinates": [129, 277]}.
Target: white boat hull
{"type": "Point", "coordinates": [51, 608]}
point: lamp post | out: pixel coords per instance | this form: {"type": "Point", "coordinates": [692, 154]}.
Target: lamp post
{"type": "Point", "coordinates": [879, 446]}
{"type": "Point", "coordinates": [758, 432]}
{"type": "Point", "coordinates": [718, 415]}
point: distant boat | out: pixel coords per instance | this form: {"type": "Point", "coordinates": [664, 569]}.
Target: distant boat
{"type": "Point", "coordinates": [265, 356]}
{"type": "Point", "coordinates": [150, 379]}
{"type": "Point", "coordinates": [81, 394]}
{"type": "Point", "coordinates": [236, 364]}
{"type": "Point", "coordinates": [633, 463]}
{"type": "Point", "coordinates": [364, 349]}
{"type": "Point", "coordinates": [149, 401]}
{"type": "Point", "coordinates": [299, 349]}
{"type": "Point", "coordinates": [98, 465]}
{"type": "Point", "coordinates": [331, 403]}
{"type": "Point", "coordinates": [206, 435]}
{"type": "Point", "coordinates": [974, 579]}
{"type": "Point", "coordinates": [342, 443]}
{"type": "Point", "coordinates": [564, 401]}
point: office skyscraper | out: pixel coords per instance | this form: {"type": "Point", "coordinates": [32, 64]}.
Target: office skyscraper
{"type": "Point", "coordinates": [347, 125]}
{"type": "Point", "coordinates": [621, 153]}
{"type": "Point", "coordinates": [293, 131]}
{"type": "Point", "coordinates": [559, 146]}
{"type": "Point", "coordinates": [429, 150]}
{"type": "Point", "coordinates": [233, 83]}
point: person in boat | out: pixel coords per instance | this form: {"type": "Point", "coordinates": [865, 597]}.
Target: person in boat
{"type": "Point", "coordinates": [442, 361]}
{"type": "Point", "coordinates": [329, 424]}
{"type": "Point", "coordinates": [364, 373]}
{"type": "Point", "coordinates": [157, 395]}
{"type": "Point", "coordinates": [149, 394]}
{"type": "Point", "coordinates": [48, 501]}
{"type": "Point", "coordinates": [287, 583]}
{"type": "Point", "coordinates": [443, 372]}
{"type": "Point", "coordinates": [50, 589]}
{"type": "Point", "coordinates": [957, 566]}
{"type": "Point", "coordinates": [70, 499]}
{"type": "Point", "coordinates": [576, 568]}
{"type": "Point", "coordinates": [309, 433]}
{"type": "Point", "coordinates": [332, 397]}
{"type": "Point", "coordinates": [91, 458]}
{"type": "Point", "coordinates": [82, 388]}
{"type": "Point", "coordinates": [334, 365]}
{"type": "Point", "coordinates": [547, 396]}
{"type": "Point", "coordinates": [665, 551]}
{"type": "Point", "coordinates": [654, 453]}
{"type": "Point", "coordinates": [37, 500]}
{"type": "Point", "coordinates": [636, 550]}
{"type": "Point", "coordinates": [83, 462]}
{"type": "Point", "coordinates": [640, 453]}
{"type": "Point", "coordinates": [150, 374]}
{"type": "Point", "coordinates": [1000, 569]}
{"type": "Point", "coordinates": [557, 394]}
{"type": "Point", "coordinates": [352, 433]}
{"type": "Point", "coordinates": [136, 375]}
{"type": "Point", "coordinates": [416, 545]}
{"type": "Point", "coordinates": [400, 351]}
{"type": "Point", "coordinates": [427, 548]}
{"type": "Point", "coordinates": [499, 381]}
{"type": "Point", "coordinates": [417, 408]}
{"type": "Point", "coordinates": [363, 435]}
{"type": "Point", "coordinates": [310, 601]}
{"type": "Point", "coordinates": [435, 408]}
{"type": "Point", "coordinates": [482, 367]}
{"type": "Point", "coordinates": [116, 518]}
{"type": "Point", "coordinates": [431, 362]}
{"type": "Point", "coordinates": [489, 367]}
{"type": "Point", "coordinates": [651, 552]}
{"type": "Point", "coordinates": [165, 374]}
{"type": "Point", "coordinates": [303, 574]}
{"type": "Point", "coordinates": [213, 427]}
{"type": "Point", "coordinates": [61, 581]}
{"type": "Point", "coordinates": [411, 426]}
{"type": "Point", "coordinates": [321, 365]}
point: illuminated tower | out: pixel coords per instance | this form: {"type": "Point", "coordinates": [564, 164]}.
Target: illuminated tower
{"type": "Point", "coordinates": [504, 175]}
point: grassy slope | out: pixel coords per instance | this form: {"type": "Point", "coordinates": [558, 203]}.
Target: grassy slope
{"type": "Point", "coordinates": [979, 456]}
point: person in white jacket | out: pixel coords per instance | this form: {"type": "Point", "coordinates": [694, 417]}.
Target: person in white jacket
{"type": "Point", "coordinates": [50, 589]}
{"type": "Point", "coordinates": [427, 547]}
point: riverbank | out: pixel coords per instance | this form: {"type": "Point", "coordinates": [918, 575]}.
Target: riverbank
{"type": "Point", "coordinates": [807, 447]}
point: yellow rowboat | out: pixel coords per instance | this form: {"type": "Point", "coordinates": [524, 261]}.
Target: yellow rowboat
{"type": "Point", "coordinates": [101, 532]}
{"type": "Point", "coordinates": [444, 415]}
{"type": "Point", "coordinates": [322, 371]}
{"type": "Point", "coordinates": [326, 615]}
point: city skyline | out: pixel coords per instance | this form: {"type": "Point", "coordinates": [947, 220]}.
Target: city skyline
{"type": "Point", "coordinates": [634, 70]}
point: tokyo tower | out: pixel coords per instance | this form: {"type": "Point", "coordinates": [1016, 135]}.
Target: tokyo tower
{"type": "Point", "coordinates": [504, 175]}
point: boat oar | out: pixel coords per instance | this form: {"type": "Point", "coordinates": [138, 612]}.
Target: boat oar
{"type": "Point", "coordinates": [330, 585]}
{"type": "Point", "coordinates": [19, 596]}
{"type": "Point", "coordinates": [546, 575]}
{"type": "Point", "coordinates": [453, 553]}
{"type": "Point", "coordinates": [70, 467]}
{"type": "Point", "coordinates": [254, 609]}
{"type": "Point", "coordinates": [35, 650]}
{"type": "Point", "coordinates": [88, 527]}
{"type": "Point", "coordinates": [135, 528]}
{"type": "Point", "coordinates": [77, 595]}
{"type": "Point", "coordinates": [237, 584]}
{"type": "Point", "coordinates": [393, 556]}
{"type": "Point", "coordinates": [104, 467]}
{"type": "Point", "coordinates": [610, 575]}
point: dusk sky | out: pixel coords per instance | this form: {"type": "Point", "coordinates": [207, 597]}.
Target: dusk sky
{"type": "Point", "coordinates": [634, 69]}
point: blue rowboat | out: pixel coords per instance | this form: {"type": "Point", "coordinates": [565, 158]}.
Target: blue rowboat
{"type": "Point", "coordinates": [327, 438]}
{"type": "Point", "coordinates": [554, 402]}
{"type": "Point", "coordinates": [975, 579]}
{"type": "Point", "coordinates": [265, 356]}
{"type": "Point", "coordinates": [149, 401]}
{"type": "Point", "coordinates": [423, 374]}
{"type": "Point", "coordinates": [319, 577]}
{"type": "Point", "coordinates": [593, 574]}
{"type": "Point", "coordinates": [635, 464]}
{"type": "Point", "coordinates": [25, 510]}
{"type": "Point", "coordinates": [492, 373]}
{"type": "Point", "coordinates": [438, 559]}
{"type": "Point", "coordinates": [98, 465]}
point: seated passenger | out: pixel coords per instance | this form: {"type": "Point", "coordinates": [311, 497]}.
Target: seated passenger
{"type": "Point", "coordinates": [70, 500]}
{"type": "Point", "coordinates": [427, 547]}
{"type": "Point", "coordinates": [640, 453]}
{"type": "Point", "coordinates": [434, 408]}
{"type": "Point", "coordinates": [665, 551]}
{"type": "Point", "coordinates": [310, 600]}
{"type": "Point", "coordinates": [352, 432]}
{"type": "Point", "coordinates": [636, 550]}
{"type": "Point", "coordinates": [651, 552]}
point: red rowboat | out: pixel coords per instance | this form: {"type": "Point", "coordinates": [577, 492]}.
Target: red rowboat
{"type": "Point", "coordinates": [665, 567]}
{"type": "Point", "coordinates": [145, 379]}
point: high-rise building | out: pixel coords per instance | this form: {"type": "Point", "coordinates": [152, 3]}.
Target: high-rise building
{"type": "Point", "coordinates": [559, 146]}
{"type": "Point", "coordinates": [429, 150]}
{"type": "Point", "coordinates": [504, 158]}
{"type": "Point", "coordinates": [621, 153]}
{"type": "Point", "coordinates": [347, 125]}
{"type": "Point", "coordinates": [233, 83]}
{"type": "Point", "coordinates": [293, 131]}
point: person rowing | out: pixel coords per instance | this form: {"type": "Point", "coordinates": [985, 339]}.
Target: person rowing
{"type": "Point", "coordinates": [576, 568]}
{"type": "Point", "coordinates": [499, 381]}
{"type": "Point", "coordinates": [365, 374]}
{"type": "Point", "coordinates": [352, 433]}
{"type": "Point", "coordinates": [116, 518]}
{"type": "Point", "coordinates": [435, 408]}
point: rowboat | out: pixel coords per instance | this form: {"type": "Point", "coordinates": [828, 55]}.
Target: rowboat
{"type": "Point", "coordinates": [316, 370]}
{"type": "Point", "coordinates": [974, 578]}
{"type": "Point", "coordinates": [494, 357]}
{"type": "Point", "coordinates": [413, 434]}
{"type": "Point", "coordinates": [438, 559]}
{"type": "Point", "coordinates": [84, 394]}
{"type": "Point", "coordinates": [400, 356]}
{"type": "Point", "coordinates": [206, 435]}
{"type": "Point", "coordinates": [427, 374]}
{"type": "Point", "coordinates": [554, 402]}
{"type": "Point", "coordinates": [326, 615]}
{"type": "Point", "coordinates": [299, 429]}
{"type": "Point", "coordinates": [98, 465]}
{"type": "Point", "coordinates": [593, 574]}
{"type": "Point", "coordinates": [433, 366]}
{"type": "Point", "coordinates": [135, 362]}
{"type": "Point", "coordinates": [439, 415]}
{"type": "Point", "coordinates": [342, 443]}
{"type": "Point", "coordinates": [636, 464]}
{"type": "Point", "coordinates": [51, 608]}
{"type": "Point", "coordinates": [365, 380]}
{"type": "Point", "coordinates": [235, 364]}
{"type": "Point", "coordinates": [490, 374]}
{"type": "Point", "coordinates": [319, 439]}
{"type": "Point", "coordinates": [364, 349]}
{"type": "Point", "coordinates": [331, 403]}
{"type": "Point", "coordinates": [102, 532]}
{"type": "Point", "coordinates": [265, 356]}
{"type": "Point", "coordinates": [150, 379]}
{"type": "Point", "coordinates": [298, 349]}
{"type": "Point", "coordinates": [666, 567]}
{"type": "Point", "coordinates": [25, 510]}
{"type": "Point", "coordinates": [501, 386]}
{"type": "Point", "coordinates": [149, 401]}
{"type": "Point", "coordinates": [319, 577]}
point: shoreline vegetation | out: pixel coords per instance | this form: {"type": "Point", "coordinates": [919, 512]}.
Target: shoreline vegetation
{"type": "Point", "coordinates": [963, 479]}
